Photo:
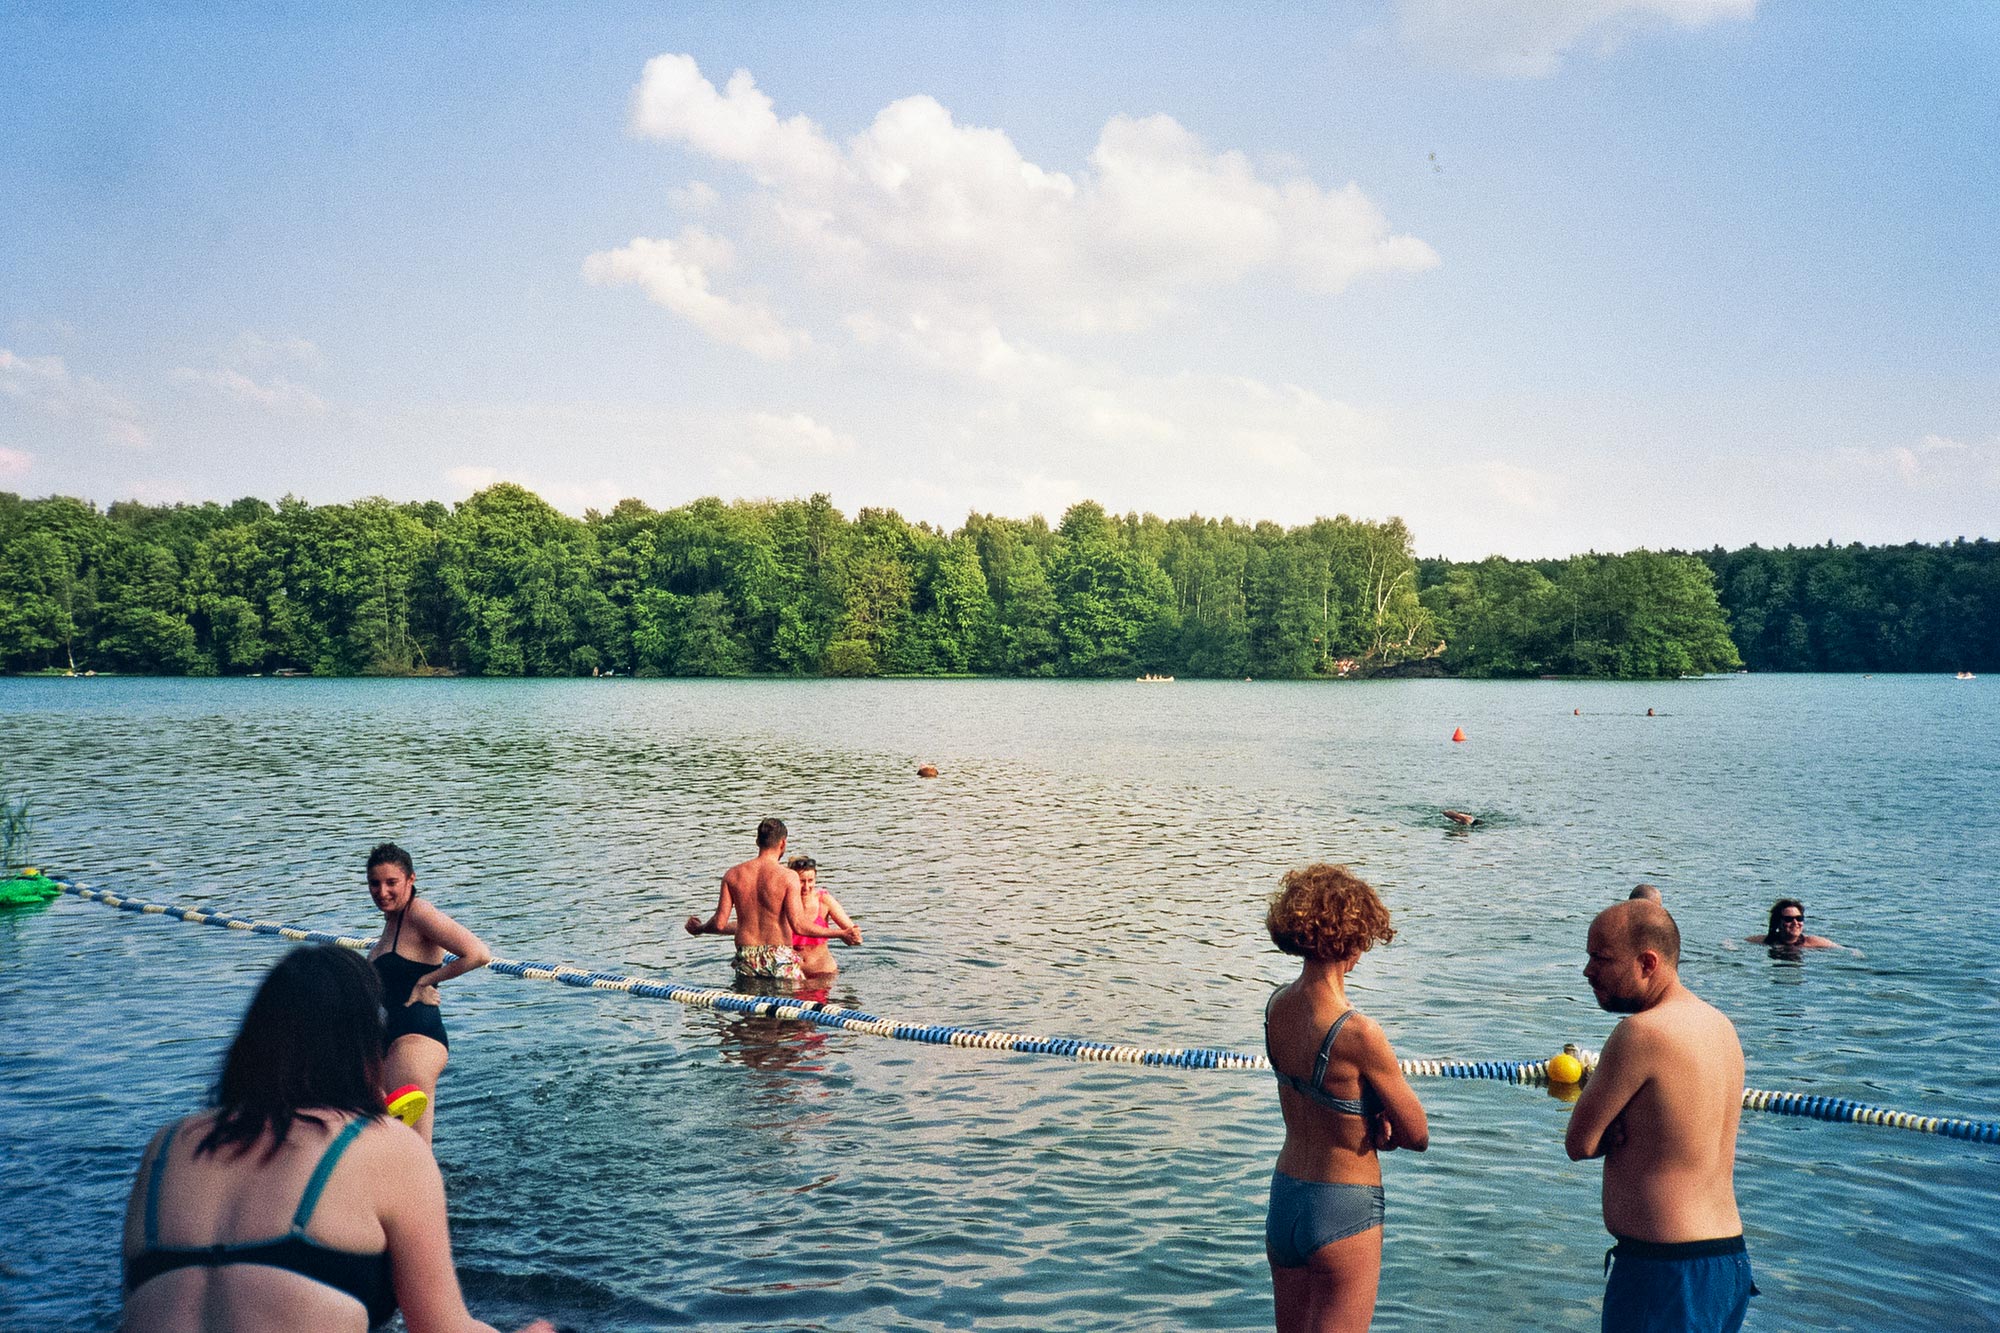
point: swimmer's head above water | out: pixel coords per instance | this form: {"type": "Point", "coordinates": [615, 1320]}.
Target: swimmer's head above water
{"type": "Point", "coordinates": [392, 877]}
{"type": "Point", "coordinates": [770, 833]}
{"type": "Point", "coordinates": [1788, 922]}
{"type": "Point", "coordinates": [1327, 912]}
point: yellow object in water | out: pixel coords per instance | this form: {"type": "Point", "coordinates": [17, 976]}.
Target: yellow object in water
{"type": "Point", "coordinates": [408, 1104]}
{"type": "Point", "coordinates": [1565, 1068]}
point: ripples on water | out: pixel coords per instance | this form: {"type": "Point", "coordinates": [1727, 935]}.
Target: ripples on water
{"type": "Point", "coordinates": [1092, 863]}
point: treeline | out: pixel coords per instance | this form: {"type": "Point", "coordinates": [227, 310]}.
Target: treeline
{"type": "Point", "coordinates": [503, 584]}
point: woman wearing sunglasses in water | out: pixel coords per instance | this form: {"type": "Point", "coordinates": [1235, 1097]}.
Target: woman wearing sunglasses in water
{"type": "Point", "coordinates": [1787, 929]}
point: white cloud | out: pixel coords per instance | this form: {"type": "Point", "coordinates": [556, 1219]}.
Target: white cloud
{"type": "Point", "coordinates": [1528, 38]}
{"type": "Point", "coordinates": [921, 214]}
{"type": "Point", "coordinates": [795, 433]}
{"type": "Point", "coordinates": [1935, 462]}
{"type": "Point", "coordinates": [44, 385]}
{"type": "Point", "coordinates": [257, 350]}
{"type": "Point", "coordinates": [15, 462]}
{"type": "Point", "coordinates": [675, 274]}
{"type": "Point", "coordinates": [274, 395]}
{"type": "Point", "coordinates": [1521, 487]}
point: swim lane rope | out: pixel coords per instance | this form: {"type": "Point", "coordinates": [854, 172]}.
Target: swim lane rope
{"type": "Point", "coordinates": [1534, 1073]}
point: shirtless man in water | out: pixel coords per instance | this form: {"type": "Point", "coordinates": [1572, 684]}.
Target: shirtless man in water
{"type": "Point", "coordinates": [763, 895]}
{"type": "Point", "coordinates": [1661, 1110]}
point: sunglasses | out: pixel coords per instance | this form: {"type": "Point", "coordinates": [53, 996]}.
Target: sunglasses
{"type": "Point", "coordinates": [1791, 918]}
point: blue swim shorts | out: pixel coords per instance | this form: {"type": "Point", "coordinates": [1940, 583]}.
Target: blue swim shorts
{"type": "Point", "coordinates": [1307, 1215]}
{"type": "Point", "coordinates": [1697, 1286]}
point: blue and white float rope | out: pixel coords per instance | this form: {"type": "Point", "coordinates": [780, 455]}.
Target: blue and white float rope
{"type": "Point", "coordinates": [1530, 1072]}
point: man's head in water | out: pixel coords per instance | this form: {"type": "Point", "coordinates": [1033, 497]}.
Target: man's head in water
{"type": "Point", "coordinates": [392, 877]}
{"type": "Point", "coordinates": [771, 833]}
{"type": "Point", "coordinates": [1788, 922]}
{"type": "Point", "coordinates": [1326, 912]}
{"type": "Point", "coordinates": [1646, 891]}
{"type": "Point", "coordinates": [1635, 954]}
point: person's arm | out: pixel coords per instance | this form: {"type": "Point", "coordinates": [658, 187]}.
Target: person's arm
{"type": "Point", "coordinates": [1401, 1123]}
{"type": "Point", "coordinates": [1756, 939]}
{"type": "Point", "coordinates": [839, 918]}
{"type": "Point", "coordinates": [453, 938]}
{"type": "Point", "coordinates": [411, 1208]}
{"type": "Point", "coordinates": [1594, 1128]}
{"type": "Point", "coordinates": [719, 924]}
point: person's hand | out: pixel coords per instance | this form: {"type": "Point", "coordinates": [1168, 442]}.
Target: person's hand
{"type": "Point", "coordinates": [424, 994]}
{"type": "Point", "coordinates": [1614, 1137]}
{"type": "Point", "coordinates": [852, 935]}
{"type": "Point", "coordinates": [1382, 1134]}
{"type": "Point", "coordinates": [694, 925]}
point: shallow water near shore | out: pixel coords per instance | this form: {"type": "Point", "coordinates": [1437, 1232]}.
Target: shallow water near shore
{"type": "Point", "coordinates": [1092, 863]}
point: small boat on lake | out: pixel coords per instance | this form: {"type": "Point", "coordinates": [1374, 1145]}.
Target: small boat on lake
{"type": "Point", "coordinates": [1150, 679]}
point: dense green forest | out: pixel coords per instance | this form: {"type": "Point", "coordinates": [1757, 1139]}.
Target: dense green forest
{"type": "Point", "coordinates": [503, 584]}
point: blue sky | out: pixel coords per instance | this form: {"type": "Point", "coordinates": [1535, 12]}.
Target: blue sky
{"type": "Point", "coordinates": [1538, 276]}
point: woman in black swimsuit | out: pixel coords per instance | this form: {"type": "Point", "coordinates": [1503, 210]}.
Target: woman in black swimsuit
{"type": "Point", "coordinates": [409, 957]}
{"type": "Point", "coordinates": [295, 1202]}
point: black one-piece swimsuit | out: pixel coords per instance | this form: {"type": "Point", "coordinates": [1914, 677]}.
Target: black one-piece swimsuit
{"type": "Point", "coordinates": [400, 976]}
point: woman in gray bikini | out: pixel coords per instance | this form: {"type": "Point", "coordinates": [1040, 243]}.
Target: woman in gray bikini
{"type": "Point", "coordinates": [1344, 1100]}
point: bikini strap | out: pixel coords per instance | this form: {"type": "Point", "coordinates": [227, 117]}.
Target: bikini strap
{"type": "Point", "coordinates": [399, 928]}
{"type": "Point", "coordinates": [327, 1161]}
{"type": "Point", "coordinates": [153, 1188]}
{"type": "Point", "coordinates": [1326, 1050]}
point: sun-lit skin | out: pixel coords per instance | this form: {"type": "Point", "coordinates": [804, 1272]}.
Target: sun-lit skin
{"type": "Point", "coordinates": [390, 888]}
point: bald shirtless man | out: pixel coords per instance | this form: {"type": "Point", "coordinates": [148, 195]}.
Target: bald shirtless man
{"type": "Point", "coordinates": [1661, 1110]}
{"type": "Point", "coordinates": [763, 895]}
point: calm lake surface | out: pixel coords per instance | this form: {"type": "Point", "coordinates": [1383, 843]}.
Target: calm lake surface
{"type": "Point", "coordinates": [1092, 863]}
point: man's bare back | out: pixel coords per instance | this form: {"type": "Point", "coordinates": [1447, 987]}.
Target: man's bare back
{"type": "Point", "coordinates": [762, 896]}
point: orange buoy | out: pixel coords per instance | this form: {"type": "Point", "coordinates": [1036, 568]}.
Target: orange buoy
{"type": "Point", "coordinates": [926, 771]}
{"type": "Point", "coordinates": [1458, 733]}
{"type": "Point", "coordinates": [1576, 712]}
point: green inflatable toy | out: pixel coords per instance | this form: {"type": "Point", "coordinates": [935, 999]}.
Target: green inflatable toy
{"type": "Point", "coordinates": [29, 888]}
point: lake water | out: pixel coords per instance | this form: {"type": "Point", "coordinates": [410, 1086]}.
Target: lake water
{"type": "Point", "coordinates": [1092, 863]}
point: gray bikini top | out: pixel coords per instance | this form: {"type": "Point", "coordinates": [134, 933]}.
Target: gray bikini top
{"type": "Point", "coordinates": [1367, 1104]}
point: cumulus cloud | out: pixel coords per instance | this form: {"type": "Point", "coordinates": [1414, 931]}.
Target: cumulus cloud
{"type": "Point", "coordinates": [1935, 462]}
{"type": "Point", "coordinates": [47, 387]}
{"type": "Point", "coordinates": [1520, 487]}
{"type": "Point", "coordinates": [274, 395]}
{"type": "Point", "coordinates": [1529, 38]}
{"type": "Point", "coordinates": [795, 433]}
{"type": "Point", "coordinates": [15, 462]}
{"type": "Point", "coordinates": [919, 213]}
{"type": "Point", "coordinates": [675, 274]}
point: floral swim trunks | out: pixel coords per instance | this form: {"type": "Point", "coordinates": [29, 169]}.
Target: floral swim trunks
{"type": "Point", "coordinates": [779, 962]}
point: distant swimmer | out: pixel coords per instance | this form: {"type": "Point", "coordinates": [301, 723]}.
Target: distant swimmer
{"type": "Point", "coordinates": [820, 907]}
{"type": "Point", "coordinates": [1650, 713]}
{"type": "Point", "coordinates": [1460, 817]}
{"type": "Point", "coordinates": [1661, 1108]}
{"type": "Point", "coordinates": [762, 895]}
{"type": "Point", "coordinates": [1787, 929]}
{"type": "Point", "coordinates": [1344, 1101]}
{"type": "Point", "coordinates": [1646, 891]}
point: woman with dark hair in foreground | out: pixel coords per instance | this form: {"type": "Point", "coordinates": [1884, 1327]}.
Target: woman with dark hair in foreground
{"type": "Point", "coordinates": [294, 1202]}
{"type": "Point", "coordinates": [1344, 1100]}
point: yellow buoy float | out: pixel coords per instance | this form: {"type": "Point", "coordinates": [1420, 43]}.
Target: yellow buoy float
{"type": "Point", "coordinates": [1565, 1068]}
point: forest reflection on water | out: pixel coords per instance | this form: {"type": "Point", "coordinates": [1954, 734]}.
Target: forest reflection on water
{"type": "Point", "coordinates": [1091, 863]}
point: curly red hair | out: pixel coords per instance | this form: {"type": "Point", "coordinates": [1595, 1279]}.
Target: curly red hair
{"type": "Point", "coordinates": [1327, 912]}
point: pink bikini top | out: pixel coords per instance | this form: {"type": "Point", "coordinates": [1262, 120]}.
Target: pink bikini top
{"type": "Point", "coordinates": [808, 941]}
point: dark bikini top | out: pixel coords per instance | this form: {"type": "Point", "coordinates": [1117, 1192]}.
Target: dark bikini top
{"type": "Point", "coordinates": [365, 1277]}
{"type": "Point", "coordinates": [1367, 1104]}
{"type": "Point", "coordinates": [399, 975]}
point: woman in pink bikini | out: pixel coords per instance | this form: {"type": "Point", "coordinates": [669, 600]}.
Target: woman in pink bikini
{"type": "Point", "coordinates": [814, 957]}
